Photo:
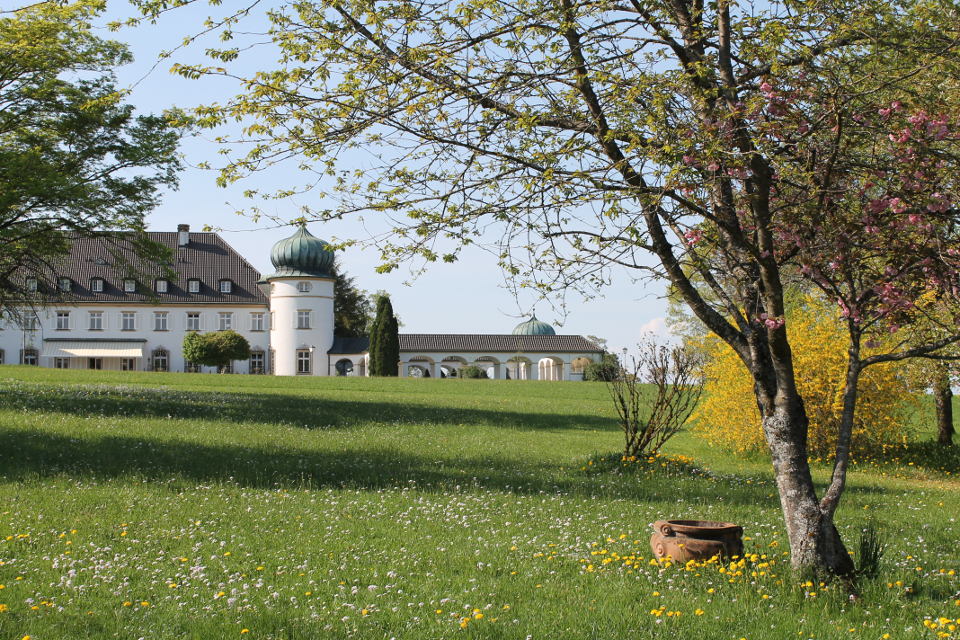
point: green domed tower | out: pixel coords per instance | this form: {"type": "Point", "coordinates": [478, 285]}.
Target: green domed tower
{"type": "Point", "coordinates": [533, 327]}
{"type": "Point", "coordinates": [301, 255]}
{"type": "Point", "coordinates": [301, 305]}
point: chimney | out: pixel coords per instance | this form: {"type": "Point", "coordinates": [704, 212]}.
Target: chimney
{"type": "Point", "coordinates": [183, 235]}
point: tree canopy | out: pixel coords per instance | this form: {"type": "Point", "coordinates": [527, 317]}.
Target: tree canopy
{"type": "Point", "coordinates": [215, 349]}
{"type": "Point", "coordinates": [73, 157]}
{"type": "Point", "coordinates": [725, 147]}
{"type": "Point", "coordinates": [352, 307]}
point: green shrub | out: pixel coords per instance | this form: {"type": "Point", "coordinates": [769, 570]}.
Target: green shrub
{"type": "Point", "coordinates": [473, 372]}
{"type": "Point", "coordinates": [607, 370]}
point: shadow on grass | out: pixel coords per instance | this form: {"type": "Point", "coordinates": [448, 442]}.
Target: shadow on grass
{"type": "Point", "coordinates": [274, 409]}
{"type": "Point", "coordinates": [26, 455]}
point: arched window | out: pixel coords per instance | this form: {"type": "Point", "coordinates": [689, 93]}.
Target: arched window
{"type": "Point", "coordinates": [160, 360]}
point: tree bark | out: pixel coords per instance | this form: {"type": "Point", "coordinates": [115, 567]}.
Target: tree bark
{"type": "Point", "coordinates": [943, 398]}
{"type": "Point", "coordinates": [815, 543]}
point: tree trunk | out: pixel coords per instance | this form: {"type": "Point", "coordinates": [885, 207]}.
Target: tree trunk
{"type": "Point", "coordinates": [943, 398]}
{"type": "Point", "coordinates": [815, 543]}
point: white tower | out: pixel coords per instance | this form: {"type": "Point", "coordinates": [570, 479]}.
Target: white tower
{"type": "Point", "coordinates": [301, 305]}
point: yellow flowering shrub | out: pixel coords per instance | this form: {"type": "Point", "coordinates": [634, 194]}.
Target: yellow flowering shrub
{"type": "Point", "coordinates": [728, 414]}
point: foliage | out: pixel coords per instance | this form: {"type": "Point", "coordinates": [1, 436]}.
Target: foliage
{"type": "Point", "coordinates": [472, 371]}
{"type": "Point", "coordinates": [743, 144]}
{"type": "Point", "coordinates": [650, 418]}
{"type": "Point", "coordinates": [215, 349]}
{"type": "Point", "coordinates": [74, 159]}
{"type": "Point", "coordinates": [352, 307]}
{"type": "Point", "coordinates": [728, 415]}
{"type": "Point", "coordinates": [607, 370]}
{"type": "Point", "coordinates": [870, 552]}
{"type": "Point", "coordinates": [384, 341]}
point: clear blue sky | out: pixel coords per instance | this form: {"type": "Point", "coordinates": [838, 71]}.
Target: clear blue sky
{"type": "Point", "coordinates": [465, 297]}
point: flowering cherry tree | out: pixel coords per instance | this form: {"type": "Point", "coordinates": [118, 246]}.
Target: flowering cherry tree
{"type": "Point", "coordinates": [728, 148]}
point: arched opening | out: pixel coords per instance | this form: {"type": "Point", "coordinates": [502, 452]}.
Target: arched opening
{"type": "Point", "coordinates": [344, 367]}
{"type": "Point", "coordinates": [518, 368]}
{"type": "Point", "coordinates": [451, 365]}
{"type": "Point", "coordinates": [489, 364]}
{"type": "Point", "coordinates": [578, 366]}
{"type": "Point", "coordinates": [550, 368]}
{"type": "Point", "coordinates": [419, 367]}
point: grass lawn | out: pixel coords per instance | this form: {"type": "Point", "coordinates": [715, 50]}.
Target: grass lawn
{"type": "Point", "coordinates": [154, 505]}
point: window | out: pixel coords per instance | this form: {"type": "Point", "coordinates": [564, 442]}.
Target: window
{"type": "Point", "coordinates": [61, 363]}
{"type": "Point", "coordinates": [160, 286]}
{"type": "Point", "coordinates": [3, 359]}
{"type": "Point", "coordinates": [191, 367]}
{"type": "Point", "coordinates": [128, 321]}
{"type": "Point", "coordinates": [96, 320]}
{"type": "Point", "coordinates": [224, 321]}
{"type": "Point", "coordinates": [303, 287]}
{"type": "Point", "coordinates": [226, 286]}
{"type": "Point", "coordinates": [193, 286]}
{"type": "Point", "coordinates": [96, 285]}
{"type": "Point", "coordinates": [159, 320]}
{"type": "Point", "coordinates": [64, 284]}
{"type": "Point", "coordinates": [303, 319]}
{"type": "Point", "coordinates": [29, 356]}
{"type": "Point", "coordinates": [160, 360]}
{"type": "Point", "coordinates": [256, 322]}
{"type": "Point", "coordinates": [94, 363]}
{"type": "Point", "coordinates": [193, 322]}
{"type": "Point", "coordinates": [31, 323]}
{"type": "Point", "coordinates": [129, 286]}
{"type": "Point", "coordinates": [257, 362]}
{"type": "Point", "coordinates": [31, 284]}
{"type": "Point", "coordinates": [128, 364]}
{"type": "Point", "coordinates": [303, 361]}
{"type": "Point", "coordinates": [63, 320]}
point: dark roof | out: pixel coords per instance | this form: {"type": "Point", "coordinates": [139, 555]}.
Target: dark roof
{"type": "Point", "coordinates": [350, 345]}
{"type": "Point", "coordinates": [206, 258]}
{"type": "Point", "coordinates": [494, 343]}
{"type": "Point", "coordinates": [473, 342]}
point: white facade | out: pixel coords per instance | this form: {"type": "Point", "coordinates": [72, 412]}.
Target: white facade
{"type": "Point", "coordinates": [128, 336]}
{"type": "Point", "coordinates": [301, 331]}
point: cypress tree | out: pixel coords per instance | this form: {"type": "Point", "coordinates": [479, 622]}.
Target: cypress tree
{"type": "Point", "coordinates": [376, 367]}
{"type": "Point", "coordinates": [391, 342]}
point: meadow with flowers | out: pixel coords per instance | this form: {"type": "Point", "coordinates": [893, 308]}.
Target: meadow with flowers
{"type": "Point", "coordinates": [149, 505]}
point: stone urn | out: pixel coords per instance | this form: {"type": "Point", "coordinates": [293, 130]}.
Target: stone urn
{"type": "Point", "coordinates": [684, 540]}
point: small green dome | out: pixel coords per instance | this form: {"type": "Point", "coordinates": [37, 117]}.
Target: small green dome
{"type": "Point", "coordinates": [302, 254]}
{"type": "Point", "coordinates": [533, 327]}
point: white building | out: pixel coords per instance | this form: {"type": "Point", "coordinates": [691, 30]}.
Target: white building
{"type": "Point", "coordinates": [100, 316]}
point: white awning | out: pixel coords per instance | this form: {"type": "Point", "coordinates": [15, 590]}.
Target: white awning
{"type": "Point", "coordinates": [92, 349]}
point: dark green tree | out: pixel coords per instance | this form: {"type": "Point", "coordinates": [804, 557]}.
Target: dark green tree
{"type": "Point", "coordinates": [384, 340]}
{"type": "Point", "coordinates": [217, 349]}
{"type": "Point", "coordinates": [352, 306]}
{"type": "Point", "coordinates": [73, 157]}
